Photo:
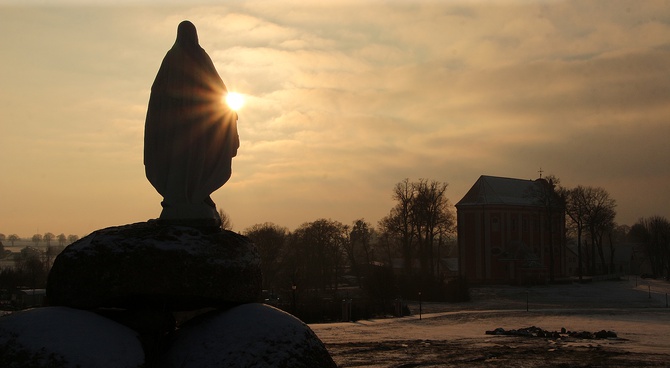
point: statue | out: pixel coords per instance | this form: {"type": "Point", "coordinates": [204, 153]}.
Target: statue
{"type": "Point", "coordinates": [190, 134]}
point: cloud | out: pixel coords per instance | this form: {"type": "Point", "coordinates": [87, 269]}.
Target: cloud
{"type": "Point", "coordinates": [501, 98]}
{"type": "Point", "coordinates": [346, 99]}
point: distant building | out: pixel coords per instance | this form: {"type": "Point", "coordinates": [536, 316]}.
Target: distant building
{"type": "Point", "coordinates": [22, 298]}
{"type": "Point", "coordinates": [506, 230]}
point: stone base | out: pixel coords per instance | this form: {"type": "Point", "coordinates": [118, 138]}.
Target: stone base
{"type": "Point", "coordinates": [156, 265]}
{"type": "Point", "coordinates": [68, 338]}
{"type": "Point", "coordinates": [190, 212]}
{"type": "Point", "coordinates": [250, 335]}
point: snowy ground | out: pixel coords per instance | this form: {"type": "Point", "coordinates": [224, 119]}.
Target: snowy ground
{"type": "Point", "coordinates": [453, 335]}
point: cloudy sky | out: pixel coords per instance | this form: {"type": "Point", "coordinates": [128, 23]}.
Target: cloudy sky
{"type": "Point", "coordinates": [343, 101]}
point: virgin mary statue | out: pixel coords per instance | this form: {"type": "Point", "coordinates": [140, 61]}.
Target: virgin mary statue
{"type": "Point", "coordinates": [190, 134]}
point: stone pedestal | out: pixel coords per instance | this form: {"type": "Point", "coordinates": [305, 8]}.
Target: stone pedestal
{"type": "Point", "coordinates": [156, 265]}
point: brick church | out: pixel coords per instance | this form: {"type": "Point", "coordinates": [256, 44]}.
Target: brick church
{"type": "Point", "coordinates": [507, 230]}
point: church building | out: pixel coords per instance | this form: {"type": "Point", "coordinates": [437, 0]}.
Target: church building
{"type": "Point", "coordinates": [511, 231]}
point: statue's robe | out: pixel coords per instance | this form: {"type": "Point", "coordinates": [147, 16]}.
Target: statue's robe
{"type": "Point", "coordinates": [190, 134]}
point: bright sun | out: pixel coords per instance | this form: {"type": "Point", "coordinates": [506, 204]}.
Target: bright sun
{"type": "Point", "coordinates": [235, 100]}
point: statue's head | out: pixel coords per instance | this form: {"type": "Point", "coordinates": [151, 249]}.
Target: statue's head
{"type": "Point", "coordinates": [187, 34]}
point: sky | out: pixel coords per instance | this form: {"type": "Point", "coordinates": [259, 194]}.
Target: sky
{"type": "Point", "coordinates": [344, 99]}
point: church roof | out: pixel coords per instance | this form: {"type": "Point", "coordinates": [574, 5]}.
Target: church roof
{"type": "Point", "coordinates": [501, 191]}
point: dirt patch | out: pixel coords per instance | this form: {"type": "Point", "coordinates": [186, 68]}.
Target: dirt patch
{"type": "Point", "coordinates": [498, 351]}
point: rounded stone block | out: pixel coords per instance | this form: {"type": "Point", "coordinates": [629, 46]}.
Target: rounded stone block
{"type": "Point", "coordinates": [156, 265]}
{"type": "Point", "coordinates": [249, 335]}
{"type": "Point", "coordinates": [67, 337]}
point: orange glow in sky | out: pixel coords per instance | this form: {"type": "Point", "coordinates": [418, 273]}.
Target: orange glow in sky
{"type": "Point", "coordinates": [349, 98]}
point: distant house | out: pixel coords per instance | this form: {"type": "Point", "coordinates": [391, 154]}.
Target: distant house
{"type": "Point", "coordinates": [16, 299]}
{"type": "Point", "coordinates": [507, 229]}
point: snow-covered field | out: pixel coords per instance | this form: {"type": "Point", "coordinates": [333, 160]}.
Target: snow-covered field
{"type": "Point", "coordinates": [453, 335]}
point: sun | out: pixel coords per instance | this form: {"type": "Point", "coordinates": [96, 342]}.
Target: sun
{"type": "Point", "coordinates": [235, 100]}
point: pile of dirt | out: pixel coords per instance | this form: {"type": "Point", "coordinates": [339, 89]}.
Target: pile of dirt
{"type": "Point", "coordinates": [538, 332]}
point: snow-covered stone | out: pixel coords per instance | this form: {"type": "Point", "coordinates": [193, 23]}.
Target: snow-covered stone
{"type": "Point", "coordinates": [249, 335]}
{"type": "Point", "coordinates": [154, 264]}
{"type": "Point", "coordinates": [66, 337]}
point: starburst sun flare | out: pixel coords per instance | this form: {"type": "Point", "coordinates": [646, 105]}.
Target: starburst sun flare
{"type": "Point", "coordinates": [235, 100]}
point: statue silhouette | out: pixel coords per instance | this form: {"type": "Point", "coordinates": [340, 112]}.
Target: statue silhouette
{"type": "Point", "coordinates": [190, 134]}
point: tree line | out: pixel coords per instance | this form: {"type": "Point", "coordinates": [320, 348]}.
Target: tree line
{"type": "Point", "coordinates": [402, 254]}
{"type": "Point", "coordinates": [419, 231]}
{"type": "Point", "coordinates": [654, 234]}
{"type": "Point", "coordinates": [38, 238]}
{"type": "Point", "coordinates": [319, 257]}
{"type": "Point", "coordinates": [32, 263]}
{"type": "Point", "coordinates": [590, 220]}
{"type": "Point", "coordinates": [590, 213]}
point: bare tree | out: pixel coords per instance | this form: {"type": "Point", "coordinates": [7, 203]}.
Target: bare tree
{"type": "Point", "coordinates": [29, 262]}
{"type": "Point", "coordinates": [317, 250]}
{"type": "Point", "coordinates": [599, 220]}
{"type": "Point", "coordinates": [37, 238]}
{"type": "Point", "coordinates": [358, 248]}
{"type": "Point", "coordinates": [61, 239]}
{"type": "Point", "coordinates": [72, 238]}
{"type": "Point", "coordinates": [590, 209]}
{"type": "Point", "coordinates": [616, 235]}
{"type": "Point", "coordinates": [48, 237]}
{"type": "Point", "coordinates": [399, 224]}
{"type": "Point", "coordinates": [431, 216]}
{"type": "Point", "coordinates": [270, 240]}
{"type": "Point", "coordinates": [421, 217]}
{"type": "Point", "coordinates": [13, 238]}
{"type": "Point", "coordinates": [576, 209]}
{"type": "Point", "coordinates": [387, 245]}
{"type": "Point", "coordinates": [226, 222]}
{"type": "Point", "coordinates": [654, 233]}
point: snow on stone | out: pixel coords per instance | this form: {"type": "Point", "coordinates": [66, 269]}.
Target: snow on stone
{"type": "Point", "coordinates": [83, 338]}
{"type": "Point", "coordinates": [250, 335]}
{"type": "Point", "coordinates": [168, 238]}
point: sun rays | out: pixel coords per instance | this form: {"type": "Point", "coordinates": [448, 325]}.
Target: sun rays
{"type": "Point", "coordinates": [234, 100]}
